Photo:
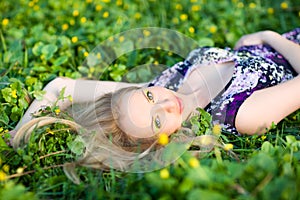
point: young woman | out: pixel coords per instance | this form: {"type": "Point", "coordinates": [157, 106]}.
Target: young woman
{"type": "Point", "coordinates": [245, 90]}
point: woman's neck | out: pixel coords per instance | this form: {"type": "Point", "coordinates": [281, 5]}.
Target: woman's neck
{"type": "Point", "coordinates": [204, 83]}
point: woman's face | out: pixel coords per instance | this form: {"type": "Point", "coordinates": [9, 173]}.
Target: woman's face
{"type": "Point", "coordinates": [149, 111]}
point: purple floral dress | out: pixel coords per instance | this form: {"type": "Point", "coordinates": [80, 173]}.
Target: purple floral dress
{"type": "Point", "coordinates": [256, 67]}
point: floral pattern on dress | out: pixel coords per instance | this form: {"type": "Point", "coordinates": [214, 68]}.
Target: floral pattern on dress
{"type": "Point", "coordinates": [256, 67]}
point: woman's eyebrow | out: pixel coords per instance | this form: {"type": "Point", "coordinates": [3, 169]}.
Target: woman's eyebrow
{"type": "Point", "coordinates": [151, 123]}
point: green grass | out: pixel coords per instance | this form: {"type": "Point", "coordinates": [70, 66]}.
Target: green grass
{"type": "Point", "coordinates": [40, 40]}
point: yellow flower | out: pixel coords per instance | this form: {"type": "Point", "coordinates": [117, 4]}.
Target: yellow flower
{"type": "Point", "coordinates": [270, 11]}
{"type": "Point", "coordinates": [217, 129]}
{"type": "Point", "coordinates": [72, 22]}
{"type": "Point", "coordinates": [5, 22]}
{"type": "Point", "coordinates": [193, 1]}
{"type": "Point", "coordinates": [183, 17]}
{"type": "Point", "coordinates": [240, 5]}
{"type": "Point", "coordinates": [57, 111]}
{"type": "Point", "coordinates": [83, 20]}
{"type": "Point", "coordinates": [74, 39]}
{"type": "Point", "coordinates": [65, 27]}
{"type": "Point", "coordinates": [252, 5]}
{"type": "Point", "coordinates": [192, 29]}
{"type": "Point", "coordinates": [105, 14]}
{"type": "Point", "coordinates": [111, 38]}
{"type": "Point", "coordinates": [158, 48]}
{"type": "Point", "coordinates": [228, 147]}
{"type": "Point", "coordinates": [137, 15]}
{"type": "Point", "coordinates": [14, 93]}
{"type": "Point", "coordinates": [99, 8]}
{"type": "Point", "coordinates": [213, 29]}
{"type": "Point", "coordinates": [194, 162]}
{"type": "Point", "coordinates": [284, 5]}
{"type": "Point", "coordinates": [175, 20]}
{"type": "Point", "coordinates": [20, 170]}
{"type": "Point", "coordinates": [263, 137]}
{"type": "Point", "coordinates": [75, 13]}
{"type": "Point", "coordinates": [31, 4]}
{"type": "Point", "coordinates": [178, 6]}
{"type": "Point", "coordinates": [1, 129]}
{"type": "Point", "coordinates": [5, 168]}
{"type": "Point", "coordinates": [86, 54]}
{"type": "Point", "coordinates": [99, 55]}
{"type": "Point", "coordinates": [121, 38]}
{"type": "Point", "coordinates": [119, 2]}
{"type": "Point", "coordinates": [164, 174]}
{"type": "Point", "coordinates": [50, 131]}
{"type": "Point", "coordinates": [146, 33]}
{"type": "Point", "coordinates": [156, 62]}
{"type": "Point", "coordinates": [88, 1]}
{"type": "Point", "coordinates": [36, 7]}
{"type": "Point", "coordinates": [163, 139]}
{"type": "Point", "coordinates": [106, 1]}
{"type": "Point", "coordinates": [3, 176]}
{"type": "Point", "coordinates": [196, 8]}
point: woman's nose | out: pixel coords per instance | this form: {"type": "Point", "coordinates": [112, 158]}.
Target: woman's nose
{"type": "Point", "coordinates": [168, 105]}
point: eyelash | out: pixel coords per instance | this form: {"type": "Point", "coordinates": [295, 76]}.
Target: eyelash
{"type": "Point", "coordinates": [156, 120]}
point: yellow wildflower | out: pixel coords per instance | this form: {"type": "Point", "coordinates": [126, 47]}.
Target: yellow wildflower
{"type": "Point", "coordinates": [183, 17]}
{"type": "Point", "coordinates": [50, 131]}
{"type": "Point", "coordinates": [65, 27]}
{"type": "Point", "coordinates": [240, 5]}
{"type": "Point", "coordinates": [156, 62]}
{"type": "Point", "coordinates": [86, 54]}
{"type": "Point", "coordinates": [99, 55]}
{"type": "Point", "coordinates": [3, 176]}
{"type": "Point", "coordinates": [217, 129]}
{"type": "Point", "coordinates": [196, 8]}
{"type": "Point", "coordinates": [1, 129]}
{"type": "Point", "coordinates": [20, 170]}
{"type": "Point", "coordinates": [75, 13]}
{"type": "Point", "coordinates": [194, 162]}
{"type": "Point", "coordinates": [119, 2]}
{"type": "Point", "coordinates": [36, 7]}
{"type": "Point", "coordinates": [14, 93]}
{"type": "Point", "coordinates": [137, 15]}
{"type": "Point", "coordinates": [270, 11]}
{"type": "Point", "coordinates": [158, 48]}
{"type": "Point", "coordinates": [88, 1]}
{"type": "Point", "coordinates": [178, 6]}
{"type": "Point", "coordinates": [192, 29]}
{"type": "Point", "coordinates": [163, 139]}
{"type": "Point", "coordinates": [213, 29]}
{"type": "Point", "coordinates": [252, 5]}
{"type": "Point", "coordinates": [106, 1]}
{"type": "Point", "coordinates": [121, 38]}
{"type": "Point", "coordinates": [105, 14]}
{"type": "Point", "coordinates": [5, 22]}
{"type": "Point", "coordinates": [284, 5]}
{"type": "Point", "coordinates": [228, 147]}
{"type": "Point", "coordinates": [164, 174]}
{"type": "Point", "coordinates": [74, 39]}
{"type": "Point", "coordinates": [263, 137]}
{"type": "Point", "coordinates": [31, 4]}
{"type": "Point", "coordinates": [83, 20]}
{"type": "Point", "coordinates": [5, 168]}
{"type": "Point", "coordinates": [72, 22]}
{"type": "Point", "coordinates": [57, 111]}
{"type": "Point", "coordinates": [111, 38]}
{"type": "Point", "coordinates": [146, 33]}
{"type": "Point", "coordinates": [99, 8]}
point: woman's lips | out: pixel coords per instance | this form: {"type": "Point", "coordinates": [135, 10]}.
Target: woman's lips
{"type": "Point", "coordinates": [180, 106]}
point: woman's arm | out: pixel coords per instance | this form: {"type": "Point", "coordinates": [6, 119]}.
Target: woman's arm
{"type": "Point", "coordinates": [268, 105]}
{"type": "Point", "coordinates": [80, 90]}
{"type": "Point", "coordinates": [289, 49]}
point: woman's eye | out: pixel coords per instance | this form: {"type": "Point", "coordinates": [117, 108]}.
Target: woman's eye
{"type": "Point", "coordinates": [149, 96]}
{"type": "Point", "coordinates": [157, 122]}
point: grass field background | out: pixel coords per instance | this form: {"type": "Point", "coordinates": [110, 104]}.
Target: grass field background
{"type": "Point", "coordinates": [41, 40]}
